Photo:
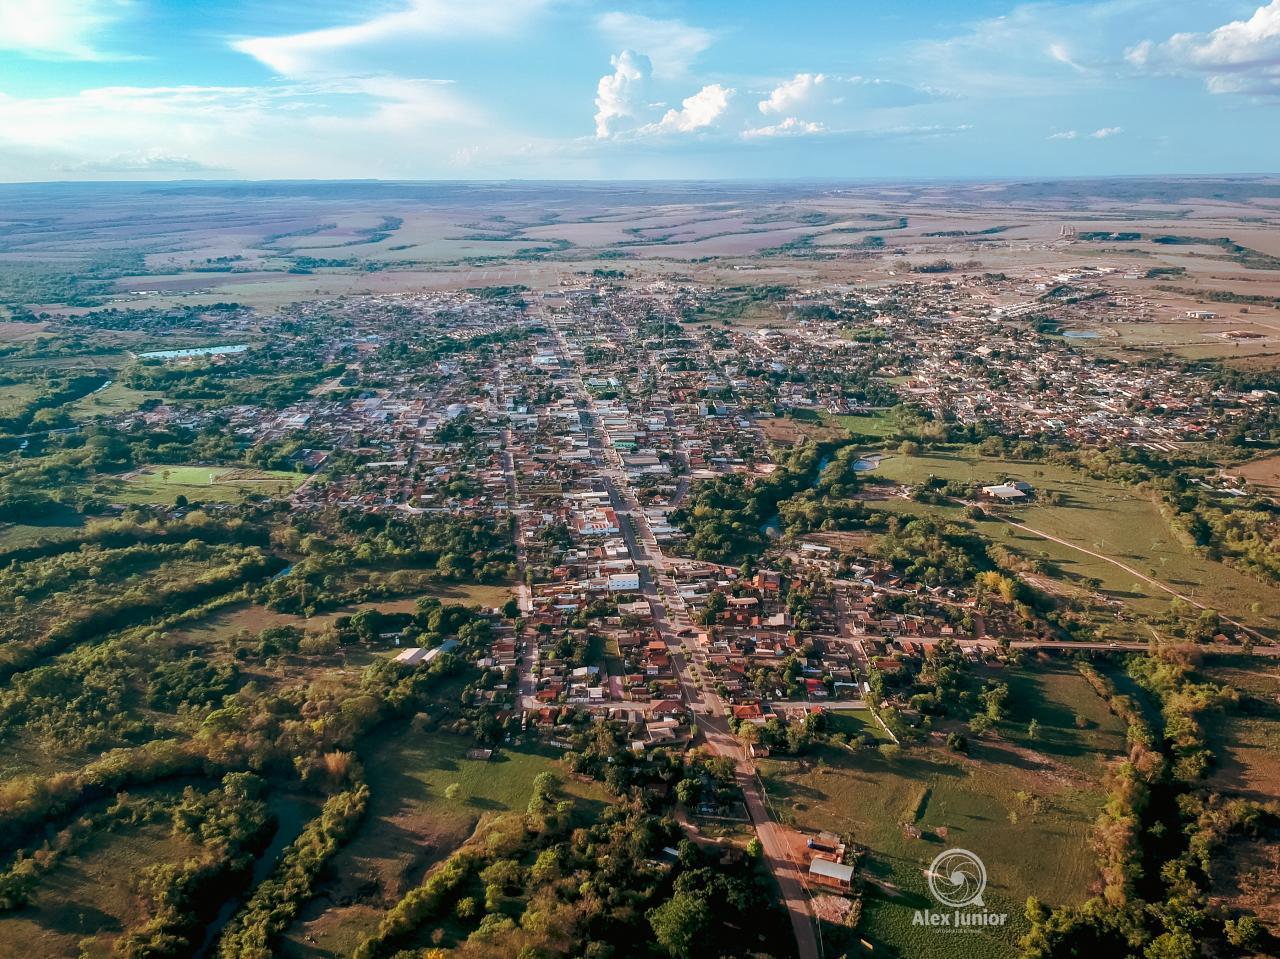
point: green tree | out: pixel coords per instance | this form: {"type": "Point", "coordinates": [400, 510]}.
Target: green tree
{"type": "Point", "coordinates": [680, 924]}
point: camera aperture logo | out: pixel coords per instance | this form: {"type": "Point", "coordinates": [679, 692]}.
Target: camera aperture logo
{"type": "Point", "coordinates": [957, 878]}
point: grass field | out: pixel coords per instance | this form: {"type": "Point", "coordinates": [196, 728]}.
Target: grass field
{"type": "Point", "coordinates": [1263, 473]}
{"type": "Point", "coordinates": [1103, 517]}
{"type": "Point", "coordinates": [84, 902]}
{"type": "Point", "coordinates": [1026, 808]}
{"type": "Point", "coordinates": [58, 523]}
{"type": "Point", "coordinates": [1075, 726]}
{"type": "Point", "coordinates": [113, 401]}
{"type": "Point", "coordinates": [1246, 740]}
{"type": "Point", "coordinates": [873, 424]}
{"type": "Point", "coordinates": [412, 823]}
{"type": "Point", "coordinates": [162, 484]}
{"type": "Point", "coordinates": [255, 618]}
{"type": "Point", "coordinates": [855, 722]}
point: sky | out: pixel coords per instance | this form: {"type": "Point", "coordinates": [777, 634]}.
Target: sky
{"type": "Point", "coordinates": [663, 89]}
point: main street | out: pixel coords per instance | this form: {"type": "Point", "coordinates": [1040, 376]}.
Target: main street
{"type": "Point", "coordinates": [671, 619]}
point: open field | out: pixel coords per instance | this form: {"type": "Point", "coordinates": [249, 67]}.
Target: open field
{"type": "Point", "coordinates": [161, 484]}
{"type": "Point", "coordinates": [1076, 728]}
{"type": "Point", "coordinates": [1263, 473]}
{"type": "Point", "coordinates": [56, 524]}
{"type": "Point", "coordinates": [1246, 739]}
{"type": "Point", "coordinates": [856, 722]}
{"type": "Point", "coordinates": [255, 618]}
{"type": "Point", "coordinates": [112, 401]}
{"type": "Point", "coordinates": [412, 824]}
{"type": "Point", "coordinates": [973, 800]}
{"type": "Point", "coordinates": [1025, 807]}
{"type": "Point", "coordinates": [88, 897]}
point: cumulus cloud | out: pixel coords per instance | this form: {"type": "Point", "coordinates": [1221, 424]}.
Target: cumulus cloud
{"type": "Point", "coordinates": [1105, 132]}
{"type": "Point", "coordinates": [619, 95]}
{"type": "Point", "coordinates": [671, 45]}
{"type": "Point", "coordinates": [697, 112]}
{"type": "Point", "coordinates": [1242, 56]}
{"type": "Point", "coordinates": [331, 50]}
{"type": "Point", "coordinates": [800, 90]}
{"type": "Point", "coordinates": [1064, 135]}
{"type": "Point", "coordinates": [790, 127]}
{"type": "Point", "coordinates": [59, 29]}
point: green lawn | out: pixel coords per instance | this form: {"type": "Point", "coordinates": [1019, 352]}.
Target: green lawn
{"type": "Point", "coordinates": [1045, 852]}
{"type": "Point", "coordinates": [1075, 725]}
{"type": "Point", "coordinates": [873, 424]}
{"type": "Point", "coordinates": [854, 722]}
{"type": "Point", "coordinates": [58, 523]}
{"type": "Point", "coordinates": [1246, 739]}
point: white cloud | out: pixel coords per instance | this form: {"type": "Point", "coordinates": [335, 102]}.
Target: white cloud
{"type": "Point", "coordinates": [1242, 56]}
{"type": "Point", "coordinates": [827, 98]}
{"type": "Point", "coordinates": [383, 126]}
{"type": "Point", "coordinates": [1058, 51]}
{"type": "Point", "coordinates": [790, 127]}
{"type": "Point", "coordinates": [697, 112]}
{"type": "Point", "coordinates": [1102, 133]}
{"type": "Point", "coordinates": [324, 51]}
{"type": "Point", "coordinates": [671, 45]}
{"type": "Point", "coordinates": [620, 94]}
{"type": "Point", "coordinates": [1022, 52]}
{"type": "Point", "coordinates": [150, 162]}
{"type": "Point", "coordinates": [59, 29]}
{"type": "Point", "coordinates": [800, 90]}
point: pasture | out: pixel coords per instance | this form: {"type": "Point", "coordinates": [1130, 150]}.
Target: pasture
{"type": "Point", "coordinates": [1024, 806]}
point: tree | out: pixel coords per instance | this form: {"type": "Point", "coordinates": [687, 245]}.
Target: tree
{"type": "Point", "coordinates": [1243, 932]}
{"type": "Point", "coordinates": [1033, 730]}
{"type": "Point", "coordinates": [689, 791]}
{"type": "Point", "coordinates": [680, 923]}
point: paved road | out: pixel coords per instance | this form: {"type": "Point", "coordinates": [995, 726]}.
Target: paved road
{"type": "Point", "coordinates": [527, 685]}
{"type": "Point", "coordinates": [670, 617]}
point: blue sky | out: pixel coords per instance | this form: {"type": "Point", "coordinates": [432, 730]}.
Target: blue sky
{"type": "Point", "coordinates": [157, 89]}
